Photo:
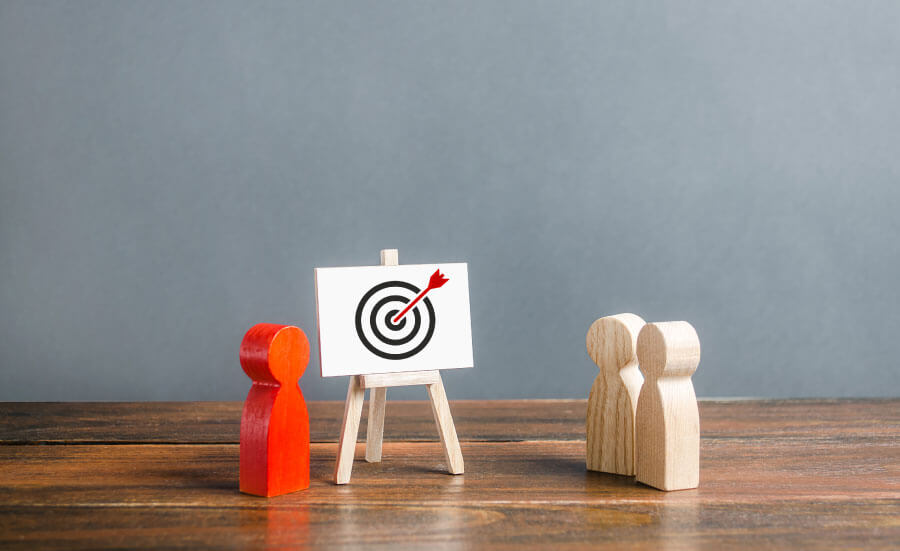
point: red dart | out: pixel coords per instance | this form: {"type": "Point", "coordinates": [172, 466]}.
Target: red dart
{"type": "Point", "coordinates": [437, 280]}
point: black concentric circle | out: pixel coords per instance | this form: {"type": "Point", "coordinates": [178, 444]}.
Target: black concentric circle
{"type": "Point", "coordinates": [385, 346]}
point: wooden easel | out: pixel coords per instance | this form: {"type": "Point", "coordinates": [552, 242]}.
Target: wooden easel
{"type": "Point", "coordinates": [377, 385]}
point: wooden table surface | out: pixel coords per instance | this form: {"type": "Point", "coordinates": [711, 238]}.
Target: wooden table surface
{"type": "Point", "coordinates": [820, 474]}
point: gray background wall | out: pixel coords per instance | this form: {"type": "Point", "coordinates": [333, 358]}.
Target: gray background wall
{"type": "Point", "coordinates": [171, 172]}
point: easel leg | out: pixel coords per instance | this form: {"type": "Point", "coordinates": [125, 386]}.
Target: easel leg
{"type": "Point", "coordinates": [349, 429]}
{"type": "Point", "coordinates": [375, 428]}
{"type": "Point", "coordinates": [441, 409]}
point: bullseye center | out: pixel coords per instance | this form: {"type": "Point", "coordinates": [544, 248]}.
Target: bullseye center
{"type": "Point", "coordinates": [388, 320]}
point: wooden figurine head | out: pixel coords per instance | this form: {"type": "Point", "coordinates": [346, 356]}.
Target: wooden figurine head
{"type": "Point", "coordinates": [611, 341]}
{"type": "Point", "coordinates": [668, 349]}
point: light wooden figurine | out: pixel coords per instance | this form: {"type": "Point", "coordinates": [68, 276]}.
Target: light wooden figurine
{"type": "Point", "coordinates": [611, 343]}
{"type": "Point", "coordinates": [667, 428]}
{"type": "Point", "coordinates": [275, 421]}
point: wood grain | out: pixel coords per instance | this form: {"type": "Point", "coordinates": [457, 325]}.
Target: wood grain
{"type": "Point", "coordinates": [814, 474]}
{"type": "Point", "coordinates": [343, 464]}
{"type": "Point", "coordinates": [405, 378]}
{"type": "Point", "coordinates": [479, 421]}
{"type": "Point", "coordinates": [667, 422]}
{"type": "Point", "coordinates": [612, 403]}
{"type": "Point", "coordinates": [375, 424]}
{"type": "Point", "coordinates": [508, 472]}
{"type": "Point", "coordinates": [440, 409]}
{"type": "Point", "coordinates": [629, 526]}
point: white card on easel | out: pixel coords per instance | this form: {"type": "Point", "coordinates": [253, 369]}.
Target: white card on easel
{"type": "Point", "coordinates": [389, 319]}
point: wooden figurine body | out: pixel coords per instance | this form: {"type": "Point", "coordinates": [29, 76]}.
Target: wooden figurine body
{"type": "Point", "coordinates": [275, 421]}
{"type": "Point", "coordinates": [667, 429]}
{"type": "Point", "coordinates": [611, 343]}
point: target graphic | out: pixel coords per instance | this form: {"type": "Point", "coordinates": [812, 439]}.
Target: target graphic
{"type": "Point", "coordinates": [385, 319]}
{"type": "Point", "coordinates": [394, 320]}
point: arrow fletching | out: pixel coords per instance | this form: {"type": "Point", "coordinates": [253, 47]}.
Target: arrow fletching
{"type": "Point", "coordinates": [437, 280]}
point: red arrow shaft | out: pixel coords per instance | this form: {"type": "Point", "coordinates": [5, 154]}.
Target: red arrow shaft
{"type": "Point", "coordinates": [409, 306]}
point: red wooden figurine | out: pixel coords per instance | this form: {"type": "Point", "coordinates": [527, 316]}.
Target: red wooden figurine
{"type": "Point", "coordinates": [275, 422]}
